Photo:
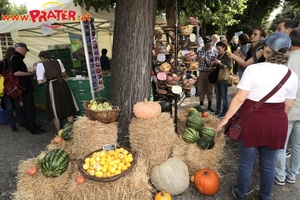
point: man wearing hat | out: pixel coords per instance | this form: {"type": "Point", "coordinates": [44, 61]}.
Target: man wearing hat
{"type": "Point", "coordinates": [204, 87]}
{"type": "Point", "coordinates": [20, 70]}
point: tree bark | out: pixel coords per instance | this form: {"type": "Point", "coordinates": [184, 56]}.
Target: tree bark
{"type": "Point", "coordinates": [170, 12]}
{"type": "Point", "coordinates": [132, 59]}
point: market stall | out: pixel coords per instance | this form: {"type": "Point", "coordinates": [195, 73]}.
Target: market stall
{"type": "Point", "coordinates": [95, 35]}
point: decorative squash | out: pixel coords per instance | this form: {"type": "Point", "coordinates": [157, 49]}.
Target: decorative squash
{"type": "Point", "coordinates": [147, 109]}
{"type": "Point", "coordinates": [162, 196]}
{"type": "Point", "coordinates": [172, 176]}
{"type": "Point", "coordinates": [207, 182]}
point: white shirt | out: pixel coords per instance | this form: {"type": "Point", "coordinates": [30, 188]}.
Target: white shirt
{"type": "Point", "coordinates": [260, 78]}
{"type": "Point", "coordinates": [40, 70]}
{"type": "Point", "coordinates": [294, 64]}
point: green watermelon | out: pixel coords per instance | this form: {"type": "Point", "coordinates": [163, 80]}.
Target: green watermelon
{"type": "Point", "coordinates": [200, 108]}
{"type": "Point", "coordinates": [207, 131]}
{"type": "Point", "coordinates": [55, 163]}
{"type": "Point", "coordinates": [68, 125]}
{"type": "Point", "coordinates": [165, 106]}
{"type": "Point", "coordinates": [190, 135]}
{"type": "Point", "coordinates": [193, 112]}
{"type": "Point", "coordinates": [206, 142]}
{"type": "Point", "coordinates": [194, 122]}
{"type": "Point", "coordinates": [67, 132]}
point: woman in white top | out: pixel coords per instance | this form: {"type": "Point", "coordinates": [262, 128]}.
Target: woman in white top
{"type": "Point", "coordinates": [265, 129]}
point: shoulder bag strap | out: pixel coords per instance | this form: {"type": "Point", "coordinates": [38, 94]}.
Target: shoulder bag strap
{"type": "Point", "coordinates": [271, 93]}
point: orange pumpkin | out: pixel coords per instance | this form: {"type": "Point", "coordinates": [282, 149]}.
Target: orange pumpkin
{"type": "Point", "coordinates": [162, 196]}
{"type": "Point", "coordinates": [207, 182]}
{"type": "Point", "coordinates": [147, 109]}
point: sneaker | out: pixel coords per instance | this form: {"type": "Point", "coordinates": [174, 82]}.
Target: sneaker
{"type": "Point", "coordinates": [236, 196]}
{"type": "Point", "coordinates": [211, 110]}
{"type": "Point", "coordinates": [278, 182]}
{"type": "Point", "coordinates": [287, 154]}
{"type": "Point", "coordinates": [287, 179]}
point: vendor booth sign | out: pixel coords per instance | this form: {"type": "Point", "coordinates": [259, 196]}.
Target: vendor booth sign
{"type": "Point", "coordinates": [49, 15]}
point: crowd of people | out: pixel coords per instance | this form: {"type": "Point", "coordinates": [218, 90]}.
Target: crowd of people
{"type": "Point", "coordinates": [273, 130]}
{"type": "Point", "coordinates": [60, 102]}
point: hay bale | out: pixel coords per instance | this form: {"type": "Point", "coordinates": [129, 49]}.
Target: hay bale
{"type": "Point", "coordinates": [192, 155]}
{"type": "Point", "coordinates": [90, 136]}
{"type": "Point", "coordinates": [154, 139]}
{"type": "Point", "coordinates": [64, 145]}
{"type": "Point", "coordinates": [133, 186]}
{"type": "Point", "coordinates": [39, 187]}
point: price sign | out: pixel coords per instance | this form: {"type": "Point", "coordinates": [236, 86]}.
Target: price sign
{"type": "Point", "coordinates": [108, 147]}
{"type": "Point", "coordinates": [161, 76]}
{"type": "Point", "coordinates": [161, 57]}
{"type": "Point", "coordinates": [176, 89]}
{"type": "Point", "coordinates": [192, 37]}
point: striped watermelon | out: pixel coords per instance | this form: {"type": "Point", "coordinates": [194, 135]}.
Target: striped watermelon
{"type": "Point", "coordinates": [55, 163]}
{"type": "Point", "coordinates": [207, 131]}
{"type": "Point", "coordinates": [190, 135]}
{"type": "Point", "coordinates": [192, 112]}
{"type": "Point", "coordinates": [194, 122]}
{"type": "Point", "coordinates": [67, 132]}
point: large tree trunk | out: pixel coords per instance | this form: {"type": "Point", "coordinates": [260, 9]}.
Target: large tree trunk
{"type": "Point", "coordinates": [132, 59]}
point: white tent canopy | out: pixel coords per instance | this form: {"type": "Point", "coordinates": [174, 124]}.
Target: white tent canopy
{"type": "Point", "coordinates": [30, 32]}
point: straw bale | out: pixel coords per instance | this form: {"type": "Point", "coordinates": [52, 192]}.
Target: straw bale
{"type": "Point", "coordinates": [133, 186]}
{"type": "Point", "coordinates": [90, 136]}
{"type": "Point", "coordinates": [39, 187]}
{"type": "Point", "coordinates": [154, 139]}
{"type": "Point", "coordinates": [64, 145]}
{"type": "Point", "coordinates": [197, 158]}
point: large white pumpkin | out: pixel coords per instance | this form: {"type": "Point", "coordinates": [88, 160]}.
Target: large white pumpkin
{"type": "Point", "coordinates": [171, 176]}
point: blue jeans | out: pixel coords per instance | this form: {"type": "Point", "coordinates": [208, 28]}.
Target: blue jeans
{"type": "Point", "coordinates": [12, 105]}
{"type": "Point", "coordinates": [222, 96]}
{"type": "Point", "coordinates": [266, 166]}
{"type": "Point", "coordinates": [293, 139]}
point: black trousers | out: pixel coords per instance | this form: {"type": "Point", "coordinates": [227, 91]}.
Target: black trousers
{"type": "Point", "coordinates": [29, 109]}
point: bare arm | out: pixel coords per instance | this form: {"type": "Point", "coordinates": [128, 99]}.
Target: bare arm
{"type": "Point", "coordinates": [41, 81]}
{"type": "Point", "coordinates": [235, 104]}
{"type": "Point", "coordinates": [244, 63]}
{"type": "Point", "coordinates": [288, 105]}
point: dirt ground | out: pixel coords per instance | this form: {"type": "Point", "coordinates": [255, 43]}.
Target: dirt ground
{"type": "Point", "coordinates": [18, 146]}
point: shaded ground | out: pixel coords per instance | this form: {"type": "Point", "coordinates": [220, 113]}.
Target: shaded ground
{"type": "Point", "coordinates": [17, 146]}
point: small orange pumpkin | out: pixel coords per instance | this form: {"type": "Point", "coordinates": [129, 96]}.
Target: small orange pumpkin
{"type": "Point", "coordinates": [147, 109]}
{"type": "Point", "coordinates": [207, 182]}
{"type": "Point", "coordinates": [162, 196]}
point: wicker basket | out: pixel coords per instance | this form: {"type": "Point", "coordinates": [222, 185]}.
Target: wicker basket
{"type": "Point", "coordinates": [186, 31]}
{"type": "Point", "coordinates": [80, 163]}
{"type": "Point", "coordinates": [105, 116]}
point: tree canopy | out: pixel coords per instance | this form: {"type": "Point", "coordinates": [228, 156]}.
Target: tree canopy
{"type": "Point", "coordinates": [7, 8]}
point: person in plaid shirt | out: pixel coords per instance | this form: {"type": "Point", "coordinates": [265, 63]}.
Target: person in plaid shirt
{"type": "Point", "coordinates": [204, 87]}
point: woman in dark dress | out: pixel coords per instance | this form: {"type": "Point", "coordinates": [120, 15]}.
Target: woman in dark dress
{"type": "Point", "coordinates": [60, 101]}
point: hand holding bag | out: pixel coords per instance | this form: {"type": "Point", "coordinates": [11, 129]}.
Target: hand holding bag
{"type": "Point", "coordinates": [234, 126]}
